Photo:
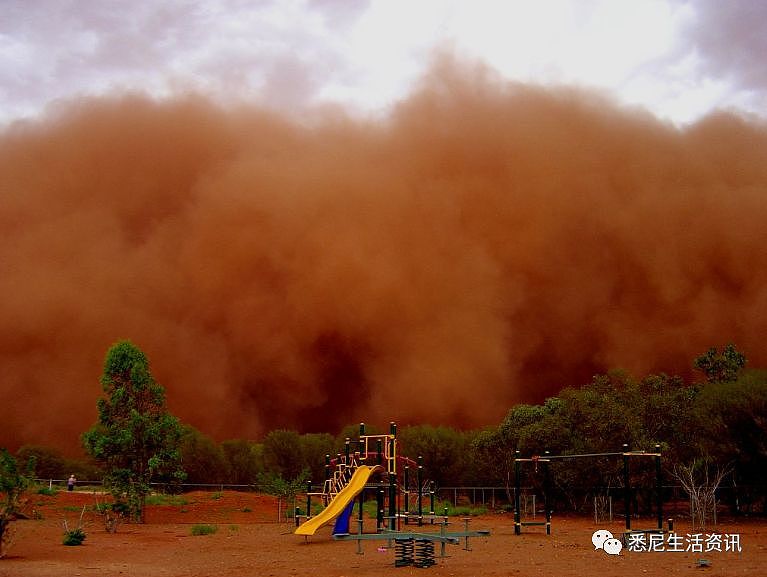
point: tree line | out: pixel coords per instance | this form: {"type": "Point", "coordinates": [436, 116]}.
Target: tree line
{"type": "Point", "coordinates": [718, 420]}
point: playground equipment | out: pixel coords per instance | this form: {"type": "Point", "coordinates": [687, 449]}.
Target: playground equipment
{"type": "Point", "coordinates": [338, 505]}
{"type": "Point", "coordinates": [352, 475]}
{"type": "Point", "coordinates": [626, 455]}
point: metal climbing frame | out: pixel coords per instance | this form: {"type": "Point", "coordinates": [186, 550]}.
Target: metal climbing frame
{"type": "Point", "coordinates": [626, 454]}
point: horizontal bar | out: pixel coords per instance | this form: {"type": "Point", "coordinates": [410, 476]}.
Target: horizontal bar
{"type": "Point", "coordinates": [393, 536]}
{"type": "Point", "coordinates": [584, 455]}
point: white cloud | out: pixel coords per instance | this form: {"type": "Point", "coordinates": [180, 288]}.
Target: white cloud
{"type": "Point", "coordinates": [676, 58]}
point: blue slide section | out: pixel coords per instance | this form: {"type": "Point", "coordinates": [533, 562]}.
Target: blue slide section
{"type": "Point", "coordinates": [342, 522]}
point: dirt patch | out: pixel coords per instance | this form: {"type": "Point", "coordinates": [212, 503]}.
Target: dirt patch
{"type": "Point", "coordinates": [249, 541]}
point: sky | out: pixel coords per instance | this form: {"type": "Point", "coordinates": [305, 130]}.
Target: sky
{"type": "Point", "coordinates": [679, 59]}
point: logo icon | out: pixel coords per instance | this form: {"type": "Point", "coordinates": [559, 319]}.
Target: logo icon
{"type": "Point", "coordinates": [603, 539]}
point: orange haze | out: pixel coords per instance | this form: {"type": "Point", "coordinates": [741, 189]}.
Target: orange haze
{"type": "Point", "coordinates": [486, 243]}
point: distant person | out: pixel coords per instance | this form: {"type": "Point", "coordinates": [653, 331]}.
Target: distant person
{"type": "Point", "coordinates": [71, 483]}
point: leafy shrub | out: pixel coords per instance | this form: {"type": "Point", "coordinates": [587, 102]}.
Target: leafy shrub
{"type": "Point", "coordinates": [13, 482]}
{"type": "Point", "coordinates": [74, 537]}
{"type": "Point", "coordinates": [203, 529]}
{"type": "Point", "coordinates": [47, 491]}
{"type": "Point", "coordinates": [111, 513]}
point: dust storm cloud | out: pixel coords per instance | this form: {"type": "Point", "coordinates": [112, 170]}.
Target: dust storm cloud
{"type": "Point", "coordinates": [483, 244]}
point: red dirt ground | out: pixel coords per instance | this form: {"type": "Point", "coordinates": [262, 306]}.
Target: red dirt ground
{"type": "Point", "coordinates": [250, 541]}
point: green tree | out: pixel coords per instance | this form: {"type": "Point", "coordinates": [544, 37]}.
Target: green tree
{"type": "Point", "coordinates": [284, 454]}
{"type": "Point", "coordinates": [243, 459]}
{"type": "Point", "coordinates": [136, 439]}
{"type": "Point", "coordinates": [49, 463]}
{"type": "Point", "coordinates": [203, 459]}
{"type": "Point", "coordinates": [442, 449]}
{"type": "Point", "coordinates": [314, 448]}
{"type": "Point", "coordinates": [491, 460]}
{"type": "Point", "coordinates": [12, 485]}
{"type": "Point", "coordinates": [721, 367]}
{"type": "Point", "coordinates": [284, 489]}
{"type": "Point", "coordinates": [730, 426]}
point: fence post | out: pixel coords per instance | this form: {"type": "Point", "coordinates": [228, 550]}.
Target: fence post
{"type": "Point", "coordinates": [626, 487]}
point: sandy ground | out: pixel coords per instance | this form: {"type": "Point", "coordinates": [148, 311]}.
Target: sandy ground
{"type": "Point", "coordinates": [249, 541]}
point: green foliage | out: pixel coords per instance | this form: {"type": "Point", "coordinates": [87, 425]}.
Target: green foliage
{"type": "Point", "coordinates": [492, 457]}
{"type": "Point", "coordinates": [74, 537]}
{"type": "Point", "coordinates": [721, 367]}
{"type": "Point", "coordinates": [163, 499]}
{"type": "Point", "coordinates": [314, 447]}
{"type": "Point", "coordinates": [725, 419]}
{"type": "Point", "coordinates": [244, 460]}
{"type": "Point", "coordinates": [442, 448]}
{"type": "Point", "coordinates": [135, 439]}
{"type": "Point", "coordinates": [13, 482]}
{"type": "Point", "coordinates": [198, 530]}
{"type": "Point", "coordinates": [47, 491]}
{"type": "Point", "coordinates": [289, 455]}
{"type": "Point", "coordinates": [730, 424]}
{"type": "Point", "coordinates": [285, 488]}
{"type": "Point", "coordinates": [234, 461]}
{"type": "Point", "coordinates": [599, 417]}
{"type": "Point", "coordinates": [202, 458]}
{"type": "Point", "coordinates": [284, 454]}
{"type": "Point", "coordinates": [49, 463]}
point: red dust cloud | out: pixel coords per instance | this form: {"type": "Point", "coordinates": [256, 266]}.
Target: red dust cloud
{"type": "Point", "coordinates": [484, 244]}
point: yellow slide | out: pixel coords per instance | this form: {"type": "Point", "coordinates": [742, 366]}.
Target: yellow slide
{"type": "Point", "coordinates": [339, 502]}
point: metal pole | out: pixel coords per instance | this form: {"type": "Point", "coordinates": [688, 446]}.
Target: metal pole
{"type": "Point", "coordinates": [407, 494]}
{"type": "Point", "coordinates": [517, 516]}
{"type": "Point", "coordinates": [308, 499]}
{"type": "Point", "coordinates": [626, 487]}
{"type": "Point", "coordinates": [379, 507]}
{"type": "Point", "coordinates": [392, 501]}
{"type": "Point", "coordinates": [431, 502]}
{"type": "Point", "coordinates": [347, 449]}
{"type": "Point", "coordinates": [392, 465]}
{"type": "Point", "coordinates": [360, 518]}
{"type": "Point", "coordinates": [363, 444]}
{"type": "Point", "coordinates": [659, 487]}
{"type": "Point", "coordinates": [419, 478]}
{"type": "Point", "coordinates": [546, 491]}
